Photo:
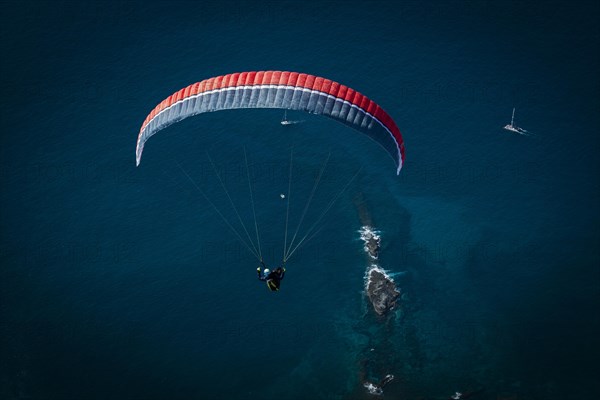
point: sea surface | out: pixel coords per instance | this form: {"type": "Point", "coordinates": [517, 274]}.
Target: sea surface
{"type": "Point", "coordinates": [119, 282]}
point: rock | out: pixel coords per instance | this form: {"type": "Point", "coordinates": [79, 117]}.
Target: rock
{"type": "Point", "coordinates": [381, 291]}
{"type": "Point", "coordinates": [377, 389]}
{"type": "Point", "coordinates": [373, 247]}
{"type": "Point", "coordinates": [371, 240]}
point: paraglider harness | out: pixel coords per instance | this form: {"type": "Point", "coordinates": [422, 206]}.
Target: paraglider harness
{"type": "Point", "coordinates": [273, 279]}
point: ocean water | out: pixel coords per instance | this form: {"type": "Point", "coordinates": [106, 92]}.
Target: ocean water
{"type": "Point", "coordinates": [124, 283]}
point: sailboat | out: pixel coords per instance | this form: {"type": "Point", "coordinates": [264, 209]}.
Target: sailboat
{"type": "Point", "coordinates": [285, 121]}
{"type": "Point", "coordinates": [512, 127]}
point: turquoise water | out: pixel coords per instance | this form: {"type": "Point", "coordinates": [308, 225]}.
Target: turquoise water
{"type": "Point", "coordinates": [122, 282]}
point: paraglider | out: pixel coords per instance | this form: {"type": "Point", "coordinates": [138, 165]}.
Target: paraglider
{"type": "Point", "coordinates": [279, 90]}
{"type": "Point", "coordinates": [276, 90]}
{"type": "Point", "coordinates": [272, 278]}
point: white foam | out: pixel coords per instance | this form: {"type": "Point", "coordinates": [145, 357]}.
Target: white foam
{"type": "Point", "coordinates": [368, 232]}
{"type": "Point", "coordinates": [373, 389]}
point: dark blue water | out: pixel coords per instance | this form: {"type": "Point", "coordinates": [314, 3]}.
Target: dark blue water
{"type": "Point", "coordinates": [122, 282]}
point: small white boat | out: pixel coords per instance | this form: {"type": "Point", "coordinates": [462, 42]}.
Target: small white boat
{"type": "Point", "coordinates": [512, 127]}
{"type": "Point", "coordinates": [285, 121]}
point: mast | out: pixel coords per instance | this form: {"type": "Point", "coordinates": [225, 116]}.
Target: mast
{"type": "Point", "coordinates": [512, 120]}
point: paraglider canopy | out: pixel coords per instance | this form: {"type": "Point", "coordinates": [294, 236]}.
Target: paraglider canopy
{"type": "Point", "coordinates": [277, 89]}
